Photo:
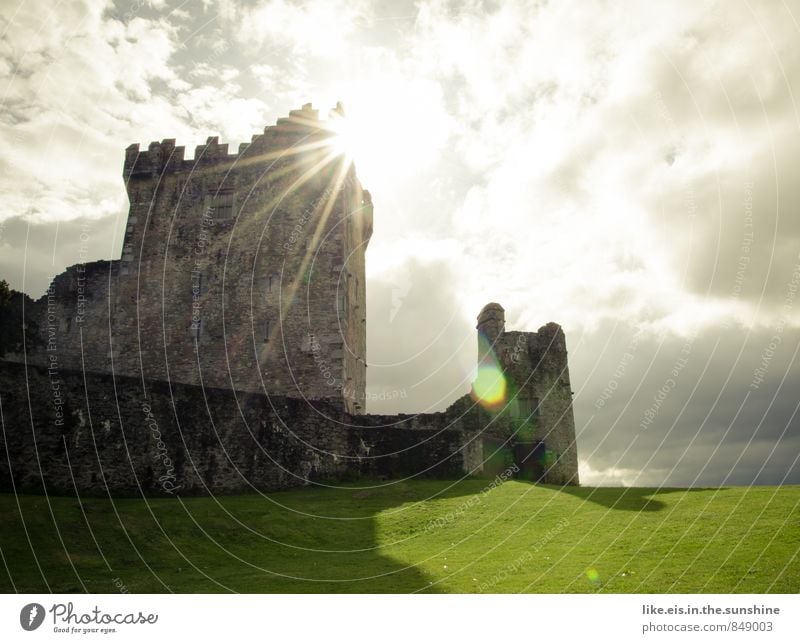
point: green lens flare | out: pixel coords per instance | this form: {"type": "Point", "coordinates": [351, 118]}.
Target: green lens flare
{"type": "Point", "coordinates": [489, 388]}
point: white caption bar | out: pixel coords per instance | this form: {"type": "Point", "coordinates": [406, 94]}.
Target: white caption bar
{"type": "Point", "coordinates": [351, 619]}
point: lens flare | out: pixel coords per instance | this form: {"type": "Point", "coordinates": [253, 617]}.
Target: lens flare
{"type": "Point", "coordinates": [593, 575]}
{"type": "Point", "coordinates": [489, 388]}
{"type": "Point", "coordinates": [345, 141]}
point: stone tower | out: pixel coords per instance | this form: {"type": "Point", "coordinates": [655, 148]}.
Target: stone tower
{"type": "Point", "coordinates": [241, 270]}
{"type": "Point", "coordinates": [536, 424]}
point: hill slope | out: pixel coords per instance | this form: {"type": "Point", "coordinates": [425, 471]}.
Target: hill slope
{"type": "Point", "coordinates": [411, 536]}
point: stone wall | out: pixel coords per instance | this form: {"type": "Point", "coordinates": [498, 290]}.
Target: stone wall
{"type": "Point", "coordinates": [66, 431]}
{"type": "Point", "coordinates": [539, 397]}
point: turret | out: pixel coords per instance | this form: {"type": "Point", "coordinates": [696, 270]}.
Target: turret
{"type": "Point", "coordinates": [491, 325]}
{"type": "Point", "coordinates": [523, 378]}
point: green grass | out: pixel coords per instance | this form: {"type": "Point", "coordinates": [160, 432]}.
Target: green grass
{"type": "Point", "coordinates": [516, 537]}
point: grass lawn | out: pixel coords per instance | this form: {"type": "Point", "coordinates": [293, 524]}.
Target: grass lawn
{"type": "Point", "coordinates": [430, 536]}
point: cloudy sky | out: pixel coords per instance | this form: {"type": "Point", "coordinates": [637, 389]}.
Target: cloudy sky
{"type": "Point", "coordinates": [626, 169]}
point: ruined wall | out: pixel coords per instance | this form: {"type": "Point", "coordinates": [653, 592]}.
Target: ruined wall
{"type": "Point", "coordinates": [67, 431]}
{"type": "Point", "coordinates": [352, 280]}
{"type": "Point", "coordinates": [241, 271]}
{"type": "Point", "coordinates": [226, 349]}
{"type": "Point", "coordinates": [538, 408]}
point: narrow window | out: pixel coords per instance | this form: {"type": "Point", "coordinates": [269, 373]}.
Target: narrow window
{"type": "Point", "coordinates": [266, 330]}
{"type": "Point", "coordinates": [222, 204]}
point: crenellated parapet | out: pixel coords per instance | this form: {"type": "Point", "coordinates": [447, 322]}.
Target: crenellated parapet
{"type": "Point", "coordinates": [288, 136]}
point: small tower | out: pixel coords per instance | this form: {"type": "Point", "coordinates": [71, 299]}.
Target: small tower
{"type": "Point", "coordinates": [491, 323]}
{"type": "Point", "coordinates": [524, 378]}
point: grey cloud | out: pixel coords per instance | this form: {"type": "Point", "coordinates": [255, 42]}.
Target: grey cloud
{"type": "Point", "coordinates": [754, 259]}
{"type": "Point", "coordinates": [419, 346]}
{"type": "Point", "coordinates": [35, 252]}
{"type": "Point", "coordinates": [697, 426]}
{"type": "Point", "coordinates": [720, 101]}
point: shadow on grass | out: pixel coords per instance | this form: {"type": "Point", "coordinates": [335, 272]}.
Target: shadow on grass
{"type": "Point", "coordinates": [314, 540]}
{"type": "Point", "coordinates": [307, 541]}
{"type": "Point", "coordinates": [624, 498]}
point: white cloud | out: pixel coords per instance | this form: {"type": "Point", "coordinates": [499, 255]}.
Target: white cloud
{"type": "Point", "coordinates": [594, 140]}
{"type": "Point", "coordinates": [77, 84]}
{"type": "Point", "coordinates": [319, 29]}
{"type": "Point", "coordinates": [610, 477]}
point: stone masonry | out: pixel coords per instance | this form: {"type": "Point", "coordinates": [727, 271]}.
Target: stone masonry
{"type": "Point", "coordinates": [538, 403]}
{"type": "Point", "coordinates": [241, 271]}
{"type": "Point", "coordinates": [225, 351]}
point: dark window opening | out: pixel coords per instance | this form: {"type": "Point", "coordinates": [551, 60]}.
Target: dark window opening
{"type": "Point", "coordinates": [222, 204]}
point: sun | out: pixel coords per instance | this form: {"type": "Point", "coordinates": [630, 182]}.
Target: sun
{"type": "Point", "coordinates": [344, 141]}
{"type": "Point", "coordinates": [367, 140]}
{"type": "Point", "coordinates": [388, 133]}
{"type": "Point", "coordinates": [361, 140]}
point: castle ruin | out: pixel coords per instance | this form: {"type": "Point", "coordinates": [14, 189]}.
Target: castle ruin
{"type": "Point", "coordinates": [225, 350]}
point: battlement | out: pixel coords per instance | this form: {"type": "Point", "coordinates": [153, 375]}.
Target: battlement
{"type": "Point", "coordinates": [288, 136]}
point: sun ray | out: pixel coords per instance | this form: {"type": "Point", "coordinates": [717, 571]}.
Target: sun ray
{"type": "Point", "coordinates": [332, 155]}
